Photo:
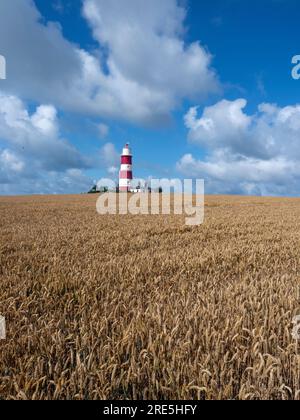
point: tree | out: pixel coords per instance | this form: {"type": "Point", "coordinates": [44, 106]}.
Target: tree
{"type": "Point", "coordinates": [93, 190]}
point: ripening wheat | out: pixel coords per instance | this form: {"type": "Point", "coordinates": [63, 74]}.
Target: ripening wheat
{"type": "Point", "coordinates": [143, 307]}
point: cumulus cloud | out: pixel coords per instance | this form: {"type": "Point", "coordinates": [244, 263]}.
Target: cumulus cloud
{"type": "Point", "coordinates": [39, 59]}
{"type": "Point", "coordinates": [36, 136]}
{"type": "Point", "coordinates": [253, 154]}
{"type": "Point", "coordinates": [224, 121]}
{"type": "Point", "coordinates": [10, 165]}
{"type": "Point", "coordinates": [34, 151]}
{"type": "Point", "coordinates": [146, 70]}
{"type": "Point", "coordinates": [72, 181]}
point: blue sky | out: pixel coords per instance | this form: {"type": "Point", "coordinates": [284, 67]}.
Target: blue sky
{"type": "Point", "coordinates": [85, 76]}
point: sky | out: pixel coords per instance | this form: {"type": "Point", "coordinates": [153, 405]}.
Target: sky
{"type": "Point", "coordinates": [200, 90]}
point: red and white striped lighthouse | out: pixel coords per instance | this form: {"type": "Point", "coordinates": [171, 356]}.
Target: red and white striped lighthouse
{"type": "Point", "coordinates": [126, 177]}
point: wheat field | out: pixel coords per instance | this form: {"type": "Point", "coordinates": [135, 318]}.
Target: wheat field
{"type": "Point", "coordinates": [143, 307]}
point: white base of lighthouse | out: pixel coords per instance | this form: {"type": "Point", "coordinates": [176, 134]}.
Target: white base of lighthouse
{"type": "Point", "coordinates": [125, 185]}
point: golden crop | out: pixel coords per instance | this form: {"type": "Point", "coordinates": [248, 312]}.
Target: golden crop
{"type": "Point", "coordinates": [143, 307]}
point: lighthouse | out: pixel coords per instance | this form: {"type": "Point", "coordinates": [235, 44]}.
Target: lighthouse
{"type": "Point", "coordinates": [126, 177]}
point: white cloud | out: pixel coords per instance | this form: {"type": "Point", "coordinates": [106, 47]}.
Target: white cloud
{"type": "Point", "coordinates": [225, 115]}
{"type": "Point", "coordinates": [10, 166]}
{"type": "Point", "coordinates": [41, 64]}
{"type": "Point", "coordinates": [36, 136]}
{"type": "Point", "coordinates": [71, 181]}
{"type": "Point", "coordinates": [145, 73]}
{"type": "Point", "coordinates": [150, 66]}
{"type": "Point", "coordinates": [11, 162]}
{"type": "Point", "coordinates": [232, 175]}
{"type": "Point", "coordinates": [45, 120]}
{"type": "Point", "coordinates": [252, 154]}
{"type": "Point", "coordinates": [35, 157]}
{"type": "Point", "coordinates": [224, 124]}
